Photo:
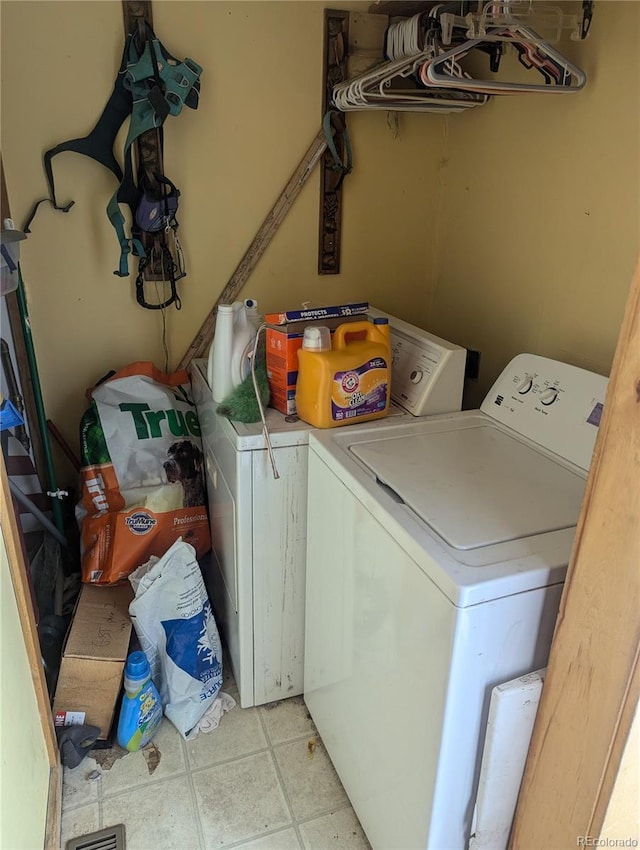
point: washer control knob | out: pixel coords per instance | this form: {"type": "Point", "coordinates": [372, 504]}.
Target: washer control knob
{"type": "Point", "coordinates": [416, 376]}
{"type": "Point", "coordinates": [525, 386]}
{"type": "Point", "coordinates": [549, 396]}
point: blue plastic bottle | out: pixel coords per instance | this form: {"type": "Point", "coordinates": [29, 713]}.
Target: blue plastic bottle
{"type": "Point", "coordinates": [141, 711]}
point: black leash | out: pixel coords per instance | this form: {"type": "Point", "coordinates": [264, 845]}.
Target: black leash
{"type": "Point", "coordinates": [169, 267]}
{"type": "Point", "coordinates": [157, 216]}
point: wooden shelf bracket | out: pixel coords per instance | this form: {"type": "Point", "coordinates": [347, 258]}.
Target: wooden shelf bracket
{"type": "Point", "coordinates": [148, 148]}
{"type": "Point", "coordinates": [336, 48]}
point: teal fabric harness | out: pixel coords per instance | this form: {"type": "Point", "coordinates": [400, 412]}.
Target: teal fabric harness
{"type": "Point", "coordinates": [151, 85]}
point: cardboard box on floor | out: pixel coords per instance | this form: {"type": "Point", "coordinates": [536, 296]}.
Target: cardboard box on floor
{"type": "Point", "coordinates": [94, 657]}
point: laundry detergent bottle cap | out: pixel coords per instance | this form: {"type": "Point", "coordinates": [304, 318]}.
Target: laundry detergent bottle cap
{"type": "Point", "coordinates": [136, 671]}
{"type": "Point", "coordinates": [316, 338]}
{"type": "Point", "coordinates": [251, 309]}
{"type": "Point", "coordinates": [229, 355]}
{"type": "Point", "coordinates": [141, 710]}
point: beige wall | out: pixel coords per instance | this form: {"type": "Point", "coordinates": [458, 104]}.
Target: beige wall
{"type": "Point", "coordinates": [259, 111]}
{"type": "Point", "coordinates": [539, 232]}
{"type": "Point", "coordinates": [512, 227]}
{"type": "Point", "coordinates": [24, 766]}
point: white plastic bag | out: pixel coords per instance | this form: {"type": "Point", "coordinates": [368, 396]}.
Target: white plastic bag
{"type": "Point", "coordinates": [172, 616]}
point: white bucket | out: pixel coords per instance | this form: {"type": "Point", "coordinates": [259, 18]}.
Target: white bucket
{"type": "Point", "coordinates": [233, 341]}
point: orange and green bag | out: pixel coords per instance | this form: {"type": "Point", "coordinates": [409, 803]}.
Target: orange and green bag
{"type": "Point", "coordinates": [142, 476]}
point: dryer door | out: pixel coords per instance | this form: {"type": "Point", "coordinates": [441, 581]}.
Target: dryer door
{"type": "Point", "coordinates": [222, 518]}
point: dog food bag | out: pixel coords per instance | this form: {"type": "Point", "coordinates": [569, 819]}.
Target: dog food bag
{"type": "Point", "coordinates": [142, 478]}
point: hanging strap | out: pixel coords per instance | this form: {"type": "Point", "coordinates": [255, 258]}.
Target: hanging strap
{"type": "Point", "coordinates": [150, 85]}
{"type": "Point", "coordinates": [98, 144]}
{"type": "Point", "coordinates": [159, 87]}
{"type": "Point", "coordinates": [170, 268]}
{"type": "Point", "coordinates": [338, 164]}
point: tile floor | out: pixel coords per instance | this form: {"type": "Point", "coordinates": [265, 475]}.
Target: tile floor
{"type": "Point", "coordinates": [261, 781]}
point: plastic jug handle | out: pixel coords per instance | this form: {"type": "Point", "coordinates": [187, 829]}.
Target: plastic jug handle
{"type": "Point", "coordinates": [352, 328]}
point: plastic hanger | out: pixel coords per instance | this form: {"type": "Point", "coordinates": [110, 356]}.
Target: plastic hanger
{"type": "Point", "coordinates": [395, 84]}
{"type": "Point", "coordinates": [378, 88]}
{"type": "Point", "coordinates": [541, 56]}
{"type": "Point", "coordinates": [431, 79]}
{"type": "Point", "coordinates": [550, 21]}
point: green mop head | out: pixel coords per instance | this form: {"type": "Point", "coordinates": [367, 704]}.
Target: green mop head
{"type": "Point", "coordinates": [241, 405]}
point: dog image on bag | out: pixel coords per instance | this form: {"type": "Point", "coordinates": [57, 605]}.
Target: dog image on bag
{"type": "Point", "coordinates": [184, 466]}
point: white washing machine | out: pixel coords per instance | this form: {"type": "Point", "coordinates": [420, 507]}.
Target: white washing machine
{"type": "Point", "coordinates": [437, 551]}
{"type": "Point", "coordinates": [259, 524]}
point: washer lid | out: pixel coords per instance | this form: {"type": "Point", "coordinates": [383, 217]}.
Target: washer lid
{"type": "Point", "coordinates": [476, 486]}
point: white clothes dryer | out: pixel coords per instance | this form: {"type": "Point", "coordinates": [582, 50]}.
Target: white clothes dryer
{"type": "Point", "coordinates": [256, 578]}
{"type": "Point", "coordinates": [436, 554]}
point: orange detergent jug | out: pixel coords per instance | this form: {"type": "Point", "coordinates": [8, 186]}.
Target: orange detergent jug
{"type": "Point", "coordinates": [347, 379]}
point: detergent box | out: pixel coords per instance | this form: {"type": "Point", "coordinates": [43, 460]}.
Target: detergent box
{"type": "Point", "coordinates": [284, 334]}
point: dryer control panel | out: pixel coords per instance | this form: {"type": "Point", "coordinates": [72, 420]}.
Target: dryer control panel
{"type": "Point", "coordinates": [557, 405]}
{"type": "Point", "coordinates": [427, 372]}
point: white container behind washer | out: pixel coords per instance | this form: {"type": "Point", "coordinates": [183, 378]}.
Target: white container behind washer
{"type": "Point", "coordinates": [256, 579]}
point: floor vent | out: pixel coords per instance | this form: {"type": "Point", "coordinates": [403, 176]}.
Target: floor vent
{"type": "Point", "coordinates": [111, 838]}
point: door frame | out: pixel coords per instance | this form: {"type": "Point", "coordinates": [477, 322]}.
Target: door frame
{"type": "Point", "coordinates": [591, 689]}
{"type": "Point", "coordinates": [20, 582]}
